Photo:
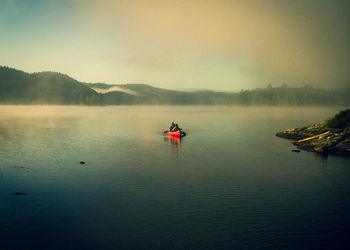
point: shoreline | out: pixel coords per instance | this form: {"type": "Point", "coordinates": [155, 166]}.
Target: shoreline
{"type": "Point", "coordinates": [320, 139]}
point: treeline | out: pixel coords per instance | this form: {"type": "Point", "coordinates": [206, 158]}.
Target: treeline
{"type": "Point", "coordinates": [340, 121]}
{"type": "Point", "coordinates": [146, 94]}
{"type": "Point", "coordinates": [18, 87]}
{"type": "Point", "coordinates": [292, 96]}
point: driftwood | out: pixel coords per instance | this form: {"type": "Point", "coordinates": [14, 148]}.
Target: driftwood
{"type": "Point", "coordinates": [313, 137]}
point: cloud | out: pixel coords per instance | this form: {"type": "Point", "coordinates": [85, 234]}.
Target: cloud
{"type": "Point", "coordinates": [115, 88]}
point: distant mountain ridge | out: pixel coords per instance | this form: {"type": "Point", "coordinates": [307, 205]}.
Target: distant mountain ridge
{"type": "Point", "coordinates": [18, 87]}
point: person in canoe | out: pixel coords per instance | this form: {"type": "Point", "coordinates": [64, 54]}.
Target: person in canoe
{"type": "Point", "coordinates": [172, 126]}
{"type": "Point", "coordinates": [176, 128]}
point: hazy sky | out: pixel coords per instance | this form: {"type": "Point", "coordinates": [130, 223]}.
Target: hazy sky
{"type": "Point", "coordinates": [219, 44]}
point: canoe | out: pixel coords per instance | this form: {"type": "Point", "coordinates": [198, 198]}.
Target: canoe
{"type": "Point", "coordinates": [176, 133]}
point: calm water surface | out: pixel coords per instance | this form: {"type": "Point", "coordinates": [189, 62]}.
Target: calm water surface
{"type": "Point", "coordinates": [230, 183]}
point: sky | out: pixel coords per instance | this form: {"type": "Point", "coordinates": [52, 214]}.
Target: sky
{"type": "Point", "coordinates": [185, 44]}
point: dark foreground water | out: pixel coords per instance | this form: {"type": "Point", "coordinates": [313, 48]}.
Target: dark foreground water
{"type": "Point", "coordinates": [230, 183]}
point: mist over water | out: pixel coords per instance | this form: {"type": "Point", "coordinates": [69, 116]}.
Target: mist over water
{"type": "Point", "coordinates": [230, 183]}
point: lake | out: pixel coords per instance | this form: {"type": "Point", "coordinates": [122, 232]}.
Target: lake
{"type": "Point", "coordinates": [229, 184]}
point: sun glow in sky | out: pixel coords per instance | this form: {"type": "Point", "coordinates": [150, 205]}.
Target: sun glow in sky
{"type": "Point", "coordinates": [218, 44]}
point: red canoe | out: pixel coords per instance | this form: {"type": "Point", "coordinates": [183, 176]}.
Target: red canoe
{"type": "Point", "coordinates": [176, 133]}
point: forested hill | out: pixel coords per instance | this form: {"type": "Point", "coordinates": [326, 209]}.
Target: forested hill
{"type": "Point", "coordinates": [18, 87]}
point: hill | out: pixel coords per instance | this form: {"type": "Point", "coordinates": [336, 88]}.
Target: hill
{"type": "Point", "coordinates": [18, 87]}
{"type": "Point", "coordinates": [146, 94]}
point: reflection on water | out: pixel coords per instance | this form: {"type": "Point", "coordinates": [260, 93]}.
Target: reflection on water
{"type": "Point", "coordinates": [175, 142]}
{"type": "Point", "coordinates": [229, 184]}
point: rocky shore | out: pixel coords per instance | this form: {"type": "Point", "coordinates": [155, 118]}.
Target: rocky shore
{"type": "Point", "coordinates": [319, 138]}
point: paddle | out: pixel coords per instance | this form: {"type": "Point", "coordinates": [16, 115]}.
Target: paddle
{"type": "Point", "coordinates": [166, 131]}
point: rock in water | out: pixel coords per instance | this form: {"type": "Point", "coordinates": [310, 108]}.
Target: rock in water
{"type": "Point", "coordinates": [19, 193]}
{"type": "Point", "coordinates": [82, 162]}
